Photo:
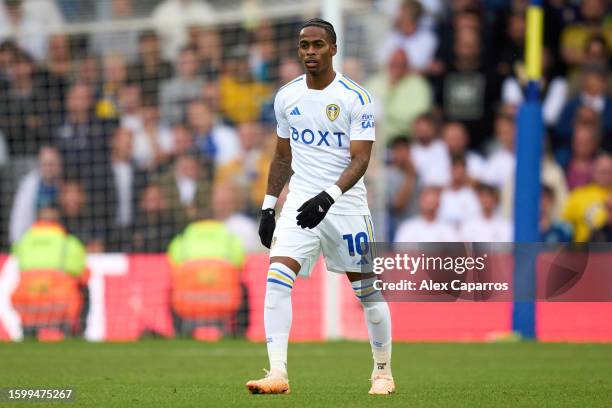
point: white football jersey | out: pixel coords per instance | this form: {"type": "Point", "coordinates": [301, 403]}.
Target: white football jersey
{"type": "Point", "coordinates": [320, 125]}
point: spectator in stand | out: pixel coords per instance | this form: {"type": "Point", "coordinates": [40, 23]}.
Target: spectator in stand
{"type": "Point", "coordinates": [32, 22]}
{"type": "Point", "coordinates": [490, 226]}
{"type": "Point", "coordinates": [228, 206]}
{"type": "Point", "coordinates": [501, 163]}
{"type": "Point", "coordinates": [24, 110]}
{"type": "Point", "coordinates": [594, 95]}
{"type": "Point", "coordinates": [427, 149]}
{"type": "Point", "coordinates": [263, 53]}
{"type": "Point", "coordinates": [514, 45]}
{"type": "Point", "coordinates": [122, 190]}
{"type": "Point", "coordinates": [117, 42]}
{"type": "Point", "coordinates": [153, 141]}
{"type": "Point", "coordinates": [585, 144]}
{"type": "Point", "coordinates": [584, 206]}
{"type": "Point", "coordinates": [188, 186]}
{"type": "Point", "coordinates": [249, 170]}
{"type": "Point", "coordinates": [115, 78]}
{"type": "Point", "coordinates": [150, 69]}
{"type": "Point", "coordinates": [8, 48]}
{"type": "Point", "coordinates": [595, 54]}
{"type": "Point", "coordinates": [461, 15]}
{"type": "Point", "coordinates": [467, 88]}
{"type": "Point", "coordinates": [130, 102]}
{"type": "Point", "coordinates": [402, 94]}
{"type": "Point", "coordinates": [596, 51]}
{"type": "Point", "coordinates": [426, 227]}
{"type": "Point", "coordinates": [594, 20]}
{"type": "Point", "coordinates": [58, 73]}
{"type": "Point", "coordinates": [459, 202]}
{"type": "Point", "coordinates": [604, 234]}
{"type": "Point", "coordinates": [155, 226]}
{"type": "Point", "coordinates": [88, 71]}
{"type": "Point", "coordinates": [82, 139]}
{"type": "Point", "coordinates": [183, 141]}
{"type": "Point", "coordinates": [457, 140]}
{"type": "Point", "coordinates": [37, 190]}
{"type": "Point", "coordinates": [241, 95]}
{"type": "Point", "coordinates": [552, 229]}
{"type": "Point", "coordinates": [77, 217]}
{"type": "Point", "coordinates": [172, 18]}
{"type": "Point", "coordinates": [417, 40]}
{"type": "Point", "coordinates": [401, 184]}
{"type": "Point", "coordinates": [211, 96]}
{"type": "Point", "coordinates": [183, 88]}
{"type": "Point", "coordinates": [215, 141]}
{"type": "Point", "coordinates": [207, 42]}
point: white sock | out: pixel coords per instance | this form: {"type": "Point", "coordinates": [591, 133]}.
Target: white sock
{"type": "Point", "coordinates": [277, 314]}
{"type": "Point", "coordinates": [378, 320]}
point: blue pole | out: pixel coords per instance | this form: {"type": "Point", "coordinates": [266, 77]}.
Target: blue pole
{"type": "Point", "coordinates": [529, 141]}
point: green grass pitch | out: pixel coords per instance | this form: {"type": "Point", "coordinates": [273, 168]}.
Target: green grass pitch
{"type": "Point", "coordinates": [184, 373]}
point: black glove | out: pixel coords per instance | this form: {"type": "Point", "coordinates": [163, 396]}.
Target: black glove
{"type": "Point", "coordinates": [312, 212]}
{"type": "Point", "coordinates": [266, 227]}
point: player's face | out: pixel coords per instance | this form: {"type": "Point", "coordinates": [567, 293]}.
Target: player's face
{"type": "Point", "coordinates": [315, 50]}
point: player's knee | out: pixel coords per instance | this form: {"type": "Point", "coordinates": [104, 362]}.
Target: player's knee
{"type": "Point", "coordinates": [275, 294]}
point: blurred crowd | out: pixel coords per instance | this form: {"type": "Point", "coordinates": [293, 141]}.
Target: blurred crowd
{"type": "Point", "coordinates": [130, 135]}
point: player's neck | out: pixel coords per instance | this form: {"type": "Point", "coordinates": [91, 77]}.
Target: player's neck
{"type": "Point", "coordinates": [321, 80]}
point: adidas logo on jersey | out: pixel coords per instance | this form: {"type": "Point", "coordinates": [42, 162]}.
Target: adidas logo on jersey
{"type": "Point", "coordinates": [295, 112]}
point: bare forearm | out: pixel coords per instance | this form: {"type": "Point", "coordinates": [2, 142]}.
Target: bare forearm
{"type": "Point", "coordinates": [353, 173]}
{"type": "Point", "coordinates": [280, 171]}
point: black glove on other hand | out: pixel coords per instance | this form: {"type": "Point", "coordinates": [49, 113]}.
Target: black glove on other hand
{"type": "Point", "coordinates": [312, 212]}
{"type": "Point", "coordinates": [267, 226]}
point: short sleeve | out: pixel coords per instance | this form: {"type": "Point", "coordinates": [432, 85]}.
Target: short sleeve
{"type": "Point", "coordinates": [362, 121]}
{"type": "Point", "coordinates": [282, 125]}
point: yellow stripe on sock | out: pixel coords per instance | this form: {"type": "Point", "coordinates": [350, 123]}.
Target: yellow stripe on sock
{"type": "Point", "coordinates": [280, 277]}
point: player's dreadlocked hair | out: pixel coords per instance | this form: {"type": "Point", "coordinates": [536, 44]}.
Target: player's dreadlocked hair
{"type": "Point", "coordinates": [327, 26]}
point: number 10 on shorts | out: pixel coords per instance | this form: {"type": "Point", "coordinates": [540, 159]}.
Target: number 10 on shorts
{"type": "Point", "coordinates": [357, 243]}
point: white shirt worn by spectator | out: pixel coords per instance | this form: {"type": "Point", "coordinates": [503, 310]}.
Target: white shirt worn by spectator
{"type": "Point", "coordinates": [124, 177]}
{"type": "Point", "coordinates": [420, 47]}
{"type": "Point", "coordinates": [498, 167]}
{"type": "Point", "coordinates": [41, 18]}
{"type": "Point", "coordinates": [143, 153]}
{"type": "Point", "coordinates": [432, 163]}
{"type": "Point", "coordinates": [23, 212]}
{"type": "Point", "coordinates": [554, 101]}
{"type": "Point", "coordinates": [171, 19]}
{"type": "Point", "coordinates": [458, 206]}
{"type": "Point", "coordinates": [475, 164]}
{"type": "Point", "coordinates": [494, 229]}
{"type": "Point", "coordinates": [418, 229]}
{"type": "Point", "coordinates": [245, 228]}
{"type": "Point", "coordinates": [187, 188]}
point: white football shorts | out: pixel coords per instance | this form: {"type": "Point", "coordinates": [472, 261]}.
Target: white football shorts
{"type": "Point", "coordinates": [345, 241]}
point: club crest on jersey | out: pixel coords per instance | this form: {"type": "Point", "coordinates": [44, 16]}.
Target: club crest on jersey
{"type": "Point", "coordinates": [332, 111]}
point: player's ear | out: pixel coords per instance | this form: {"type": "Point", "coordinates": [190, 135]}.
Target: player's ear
{"type": "Point", "coordinates": [333, 49]}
